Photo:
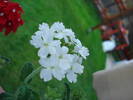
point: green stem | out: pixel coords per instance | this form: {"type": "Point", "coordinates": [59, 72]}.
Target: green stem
{"type": "Point", "coordinates": [16, 94]}
{"type": "Point", "coordinates": [30, 76]}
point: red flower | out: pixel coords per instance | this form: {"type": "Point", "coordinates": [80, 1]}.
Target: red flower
{"type": "Point", "coordinates": [10, 16]}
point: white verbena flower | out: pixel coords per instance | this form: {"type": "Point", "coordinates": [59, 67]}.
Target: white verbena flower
{"type": "Point", "coordinates": [61, 54]}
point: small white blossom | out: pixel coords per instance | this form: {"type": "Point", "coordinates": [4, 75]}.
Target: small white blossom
{"type": "Point", "coordinates": [83, 51]}
{"type": "Point", "coordinates": [51, 69]}
{"type": "Point", "coordinates": [61, 32]}
{"type": "Point", "coordinates": [65, 34]}
{"type": "Point", "coordinates": [64, 58]}
{"type": "Point", "coordinates": [76, 68]}
{"type": "Point", "coordinates": [57, 27]}
{"type": "Point", "coordinates": [48, 48]}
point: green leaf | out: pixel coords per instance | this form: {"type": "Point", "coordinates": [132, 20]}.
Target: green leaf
{"type": "Point", "coordinates": [6, 96]}
{"type": "Point", "coordinates": [4, 61]}
{"type": "Point", "coordinates": [26, 93]}
{"type": "Point", "coordinates": [26, 70]}
{"type": "Point", "coordinates": [76, 95]}
{"type": "Point", "coordinates": [42, 95]}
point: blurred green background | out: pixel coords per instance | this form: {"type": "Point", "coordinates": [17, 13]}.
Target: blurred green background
{"type": "Point", "coordinates": [76, 14]}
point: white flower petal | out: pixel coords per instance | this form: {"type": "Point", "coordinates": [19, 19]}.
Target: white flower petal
{"type": "Point", "coordinates": [45, 62]}
{"type": "Point", "coordinates": [43, 26]}
{"type": "Point", "coordinates": [55, 43]}
{"type": "Point", "coordinates": [77, 42]}
{"type": "Point", "coordinates": [54, 60]}
{"type": "Point", "coordinates": [58, 74]}
{"type": "Point", "coordinates": [59, 36]}
{"type": "Point", "coordinates": [52, 50]}
{"type": "Point", "coordinates": [69, 33]}
{"type": "Point", "coordinates": [71, 77]}
{"type": "Point", "coordinates": [64, 64]}
{"type": "Point", "coordinates": [77, 68]}
{"type": "Point", "coordinates": [84, 52]}
{"type": "Point", "coordinates": [65, 50]}
{"type": "Point", "coordinates": [77, 59]}
{"type": "Point", "coordinates": [36, 41]}
{"type": "Point", "coordinates": [43, 52]}
{"type": "Point", "coordinates": [45, 75]}
{"type": "Point", "coordinates": [57, 26]}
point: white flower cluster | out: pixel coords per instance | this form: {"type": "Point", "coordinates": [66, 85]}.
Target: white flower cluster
{"type": "Point", "coordinates": [60, 53]}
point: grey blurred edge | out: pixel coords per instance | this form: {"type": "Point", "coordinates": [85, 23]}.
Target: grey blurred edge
{"type": "Point", "coordinates": [115, 83]}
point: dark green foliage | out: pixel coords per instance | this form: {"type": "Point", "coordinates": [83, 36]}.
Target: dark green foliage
{"type": "Point", "coordinates": [42, 95]}
{"type": "Point", "coordinates": [25, 93]}
{"type": "Point", "coordinates": [26, 70]}
{"type": "Point", "coordinates": [22, 93]}
{"type": "Point", "coordinates": [6, 96]}
{"type": "Point", "coordinates": [76, 96]}
{"type": "Point", "coordinates": [4, 61]}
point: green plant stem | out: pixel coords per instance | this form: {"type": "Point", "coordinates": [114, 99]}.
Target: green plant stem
{"type": "Point", "coordinates": [17, 93]}
{"type": "Point", "coordinates": [30, 76]}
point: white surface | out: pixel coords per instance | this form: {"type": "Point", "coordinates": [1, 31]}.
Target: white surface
{"type": "Point", "coordinates": [108, 45]}
{"type": "Point", "coordinates": [111, 63]}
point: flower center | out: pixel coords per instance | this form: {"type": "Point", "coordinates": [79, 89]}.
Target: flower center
{"type": "Point", "coordinates": [46, 44]}
{"type": "Point", "coordinates": [5, 1]}
{"type": "Point", "coordinates": [19, 19]}
{"type": "Point", "coordinates": [9, 23]}
{"type": "Point", "coordinates": [52, 67]}
{"type": "Point", "coordinates": [60, 57]}
{"type": "Point", "coordinates": [49, 55]}
{"type": "Point", "coordinates": [71, 68]}
{"type": "Point", "coordinates": [2, 14]}
{"type": "Point", "coordinates": [14, 10]}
